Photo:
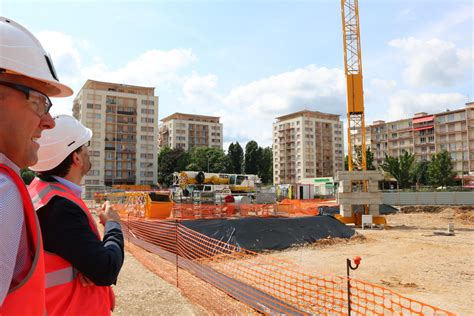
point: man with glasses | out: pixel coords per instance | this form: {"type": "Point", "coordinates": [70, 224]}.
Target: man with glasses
{"type": "Point", "coordinates": [27, 81]}
{"type": "Point", "coordinates": [80, 267]}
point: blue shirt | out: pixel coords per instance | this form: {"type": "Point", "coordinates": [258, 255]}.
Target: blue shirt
{"type": "Point", "coordinates": [76, 189]}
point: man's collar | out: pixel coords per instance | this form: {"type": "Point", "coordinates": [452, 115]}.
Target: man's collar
{"type": "Point", "coordinates": [76, 189]}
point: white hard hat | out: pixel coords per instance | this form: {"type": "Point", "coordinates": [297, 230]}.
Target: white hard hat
{"type": "Point", "coordinates": [24, 61]}
{"type": "Point", "coordinates": [57, 143]}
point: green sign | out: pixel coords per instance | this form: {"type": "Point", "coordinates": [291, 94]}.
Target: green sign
{"type": "Point", "coordinates": [322, 180]}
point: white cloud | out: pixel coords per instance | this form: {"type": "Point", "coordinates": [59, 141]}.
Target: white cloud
{"type": "Point", "coordinates": [152, 68]}
{"type": "Point", "coordinates": [433, 62]}
{"type": "Point", "coordinates": [64, 53]}
{"type": "Point", "coordinates": [200, 90]}
{"type": "Point", "coordinates": [314, 88]}
{"type": "Point", "coordinates": [404, 104]}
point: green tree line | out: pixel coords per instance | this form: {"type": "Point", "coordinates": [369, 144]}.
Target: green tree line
{"type": "Point", "coordinates": [254, 160]}
{"type": "Point", "coordinates": [408, 172]}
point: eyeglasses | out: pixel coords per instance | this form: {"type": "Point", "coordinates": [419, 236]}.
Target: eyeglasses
{"type": "Point", "coordinates": [39, 101]}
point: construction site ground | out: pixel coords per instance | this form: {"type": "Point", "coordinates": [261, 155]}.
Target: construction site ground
{"type": "Point", "coordinates": [140, 292]}
{"type": "Point", "coordinates": [407, 257]}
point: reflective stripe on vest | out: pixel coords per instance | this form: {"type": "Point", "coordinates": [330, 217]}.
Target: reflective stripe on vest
{"type": "Point", "coordinates": [60, 277]}
{"type": "Point", "coordinates": [43, 193]}
{"type": "Point", "coordinates": [28, 297]}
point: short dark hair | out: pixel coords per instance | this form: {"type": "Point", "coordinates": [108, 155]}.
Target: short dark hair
{"type": "Point", "coordinates": [63, 168]}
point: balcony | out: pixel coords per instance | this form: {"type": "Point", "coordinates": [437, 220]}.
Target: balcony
{"type": "Point", "coordinates": [127, 113]}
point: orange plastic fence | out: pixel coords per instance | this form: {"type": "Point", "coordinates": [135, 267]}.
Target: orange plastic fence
{"type": "Point", "coordinates": [267, 284]}
{"type": "Point", "coordinates": [286, 208]}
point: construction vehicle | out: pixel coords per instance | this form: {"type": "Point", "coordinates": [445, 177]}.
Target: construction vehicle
{"type": "Point", "coordinates": [237, 183]}
{"type": "Point", "coordinates": [358, 187]}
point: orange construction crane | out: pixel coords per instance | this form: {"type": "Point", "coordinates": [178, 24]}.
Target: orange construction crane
{"type": "Point", "coordinates": [353, 70]}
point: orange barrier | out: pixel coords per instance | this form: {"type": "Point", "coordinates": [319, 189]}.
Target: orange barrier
{"type": "Point", "coordinates": [269, 285]}
{"type": "Point", "coordinates": [286, 208]}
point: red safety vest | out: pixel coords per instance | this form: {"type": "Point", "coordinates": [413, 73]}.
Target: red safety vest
{"type": "Point", "coordinates": [65, 295]}
{"type": "Point", "coordinates": [27, 298]}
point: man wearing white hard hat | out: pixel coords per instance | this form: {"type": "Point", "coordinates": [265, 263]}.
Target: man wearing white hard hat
{"type": "Point", "coordinates": [80, 267]}
{"type": "Point", "coordinates": [27, 81]}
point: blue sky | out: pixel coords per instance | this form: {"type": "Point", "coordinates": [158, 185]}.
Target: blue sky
{"type": "Point", "coordinates": [251, 61]}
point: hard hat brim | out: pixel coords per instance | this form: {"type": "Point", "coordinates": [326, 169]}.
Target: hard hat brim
{"type": "Point", "coordinates": [50, 88]}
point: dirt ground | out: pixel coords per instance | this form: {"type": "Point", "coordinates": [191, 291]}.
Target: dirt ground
{"type": "Point", "coordinates": [140, 292]}
{"type": "Point", "coordinates": [407, 257]}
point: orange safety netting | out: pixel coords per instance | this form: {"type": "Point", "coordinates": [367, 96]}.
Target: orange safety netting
{"type": "Point", "coordinates": [269, 285]}
{"type": "Point", "coordinates": [286, 208]}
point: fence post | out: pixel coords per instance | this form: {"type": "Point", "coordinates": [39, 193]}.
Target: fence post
{"type": "Point", "coordinates": [349, 268]}
{"type": "Point", "coordinates": [176, 250]}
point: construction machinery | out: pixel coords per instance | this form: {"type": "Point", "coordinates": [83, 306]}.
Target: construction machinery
{"type": "Point", "coordinates": [358, 189]}
{"type": "Point", "coordinates": [237, 183]}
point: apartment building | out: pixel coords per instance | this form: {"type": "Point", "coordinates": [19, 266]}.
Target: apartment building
{"type": "Point", "coordinates": [307, 144]}
{"type": "Point", "coordinates": [426, 134]}
{"type": "Point", "coordinates": [187, 131]}
{"type": "Point", "coordinates": [124, 120]}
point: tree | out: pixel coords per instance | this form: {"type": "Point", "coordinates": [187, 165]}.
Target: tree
{"type": "Point", "coordinates": [266, 165]}
{"type": "Point", "coordinates": [399, 168]}
{"type": "Point", "coordinates": [252, 158]}
{"type": "Point", "coordinates": [235, 153]}
{"type": "Point", "coordinates": [357, 160]}
{"type": "Point", "coordinates": [419, 173]}
{"type": "Point", "coordinates": [369, 158]}
{"type": "Point", "coordinates": [27, 175]}
{"type": "Point", "coordinates": [208, 160]}
{"type": "Point", "coordinates": [170, 161]}
{"type": "Point", "coordinates": [440, 169]}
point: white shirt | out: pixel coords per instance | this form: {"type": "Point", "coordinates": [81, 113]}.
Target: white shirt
{"type": "Point", "coordinates": [15, 259]}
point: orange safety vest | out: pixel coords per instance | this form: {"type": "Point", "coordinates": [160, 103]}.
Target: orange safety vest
{"type": "Point", "coordinates": [65, 295]}
{"type": "Point", "coordinates": [27, 298]}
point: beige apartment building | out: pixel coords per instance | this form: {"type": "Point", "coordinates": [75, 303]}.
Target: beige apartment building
{"type": "Point", "coordinates": [307, 144]}
{"type": "Point", "coordinates": [124, 120]}
{"type": "Point", "coordinates": [187, 131]}
{"type": "Point", "coordinates": [426, 134]}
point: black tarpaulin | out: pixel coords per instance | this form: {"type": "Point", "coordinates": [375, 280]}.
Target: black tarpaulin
{"type": "Point", "coordinates": [259, 234]}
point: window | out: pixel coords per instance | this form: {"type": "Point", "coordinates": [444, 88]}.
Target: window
{"type": "Point", "coordinates": [147, 129]}
{"type": "Point", "coordinates": [148, 111]}
{"type": "Point", "coordinates": [148, 102]}
{"type": "Point", "coordinates": [147, 120]}
{"type": "Point", "coordinates": [90, 105]}
{"type": "Point", "coordinates": [146, 137]}
{"type": "Point", "coordinates": [93, 172]}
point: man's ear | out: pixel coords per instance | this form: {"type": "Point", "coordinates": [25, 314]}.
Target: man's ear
{"type": "Point", "coordinates": [76, 158]}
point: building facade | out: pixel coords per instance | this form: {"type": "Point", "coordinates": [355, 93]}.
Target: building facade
{"type": "Point", "coordinates": [307, 144]}
{"type": "Point", "coordinates": [187, 131]}
{"type": "Point", "coordinates": [124, 120]}
{"type": "Point", "coordinates": [426, 134]}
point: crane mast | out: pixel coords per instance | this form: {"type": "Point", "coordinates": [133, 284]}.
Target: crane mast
{"type": "Point", "coordinates": [354, 81]}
